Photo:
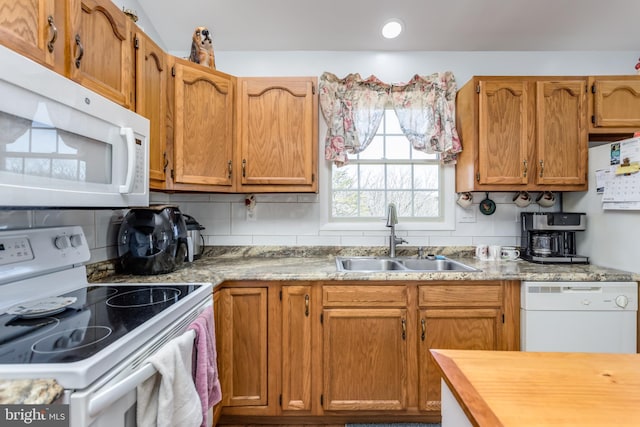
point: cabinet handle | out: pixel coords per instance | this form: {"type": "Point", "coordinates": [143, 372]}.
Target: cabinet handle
{"type": "Point", "coordinates": [525, 168]}
{"type": "Point", "coordinates": [306, 305]}
{"type": "Point", "coordinates": [54, 33]}
{"type": "Point", "coordinates": [404, 329]}
{"type": "Point", "coordinates": [423, 323]}
{"type": "Point", "coordinates": [230, 169]}
{"type": "Point", "coordinates": [541, 168]}
{"type": "Point", "coordinates": [166, 162]}
{"type": "Point", "coordinates": [80, 51]}
{"type": "Point", "coordinates": [244, 167]}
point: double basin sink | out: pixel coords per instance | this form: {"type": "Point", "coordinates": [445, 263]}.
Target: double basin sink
{"type": "Point", "coordinates": [407, 265]}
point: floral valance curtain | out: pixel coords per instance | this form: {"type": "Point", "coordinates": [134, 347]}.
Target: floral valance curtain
{"type": "Point", "coordinates": [353, 107]}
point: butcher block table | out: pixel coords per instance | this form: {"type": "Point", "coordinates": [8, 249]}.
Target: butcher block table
{"type": "Point", "coordinates": [517, 389]}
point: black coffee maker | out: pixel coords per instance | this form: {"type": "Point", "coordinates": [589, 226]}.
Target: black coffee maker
{"type": "Point", "coordinates": [550, 237]}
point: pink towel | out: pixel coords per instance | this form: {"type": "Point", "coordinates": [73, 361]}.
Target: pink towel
{"type": "Point", "coordinates": [205, 366]}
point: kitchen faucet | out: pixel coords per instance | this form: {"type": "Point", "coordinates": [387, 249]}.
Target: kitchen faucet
{"type": "Point", "coordinates": [392, 220]}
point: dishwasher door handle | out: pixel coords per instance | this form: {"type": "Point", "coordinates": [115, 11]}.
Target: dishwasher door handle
{"type": "Point", "coordinates": [582, 289]}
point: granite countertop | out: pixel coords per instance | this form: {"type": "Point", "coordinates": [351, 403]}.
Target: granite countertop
{"type": "Point", "coordinates": [221, 264]}
{"type": "Point", "coordinates": [261, 263]}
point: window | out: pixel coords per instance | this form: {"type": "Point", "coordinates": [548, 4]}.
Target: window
{"type": "Point", "coordinates": [388, 170]}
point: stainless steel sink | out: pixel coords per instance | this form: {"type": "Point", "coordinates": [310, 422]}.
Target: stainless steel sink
{"type": "Point", "coordinates": [373, 264]}
{"type": "Point", "coordinates": [369, 264]}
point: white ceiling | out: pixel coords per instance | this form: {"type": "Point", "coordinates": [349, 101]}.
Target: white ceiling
{"type": "Point", "coordinates": [443, 25]}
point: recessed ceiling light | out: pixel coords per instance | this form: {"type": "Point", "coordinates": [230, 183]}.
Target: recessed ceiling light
{"type": "Point", "coordinates": [392, 29]}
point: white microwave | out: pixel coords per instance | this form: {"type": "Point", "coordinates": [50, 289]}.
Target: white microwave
{"type": "Point", "coordinates": [63, 145]}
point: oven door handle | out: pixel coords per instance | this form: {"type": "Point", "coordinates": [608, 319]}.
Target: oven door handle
{"type": "Point", "coordinates": [111, 394]}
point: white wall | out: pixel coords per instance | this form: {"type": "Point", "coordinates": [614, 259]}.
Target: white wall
{"type": "Point", "coordinates": [296, 219]}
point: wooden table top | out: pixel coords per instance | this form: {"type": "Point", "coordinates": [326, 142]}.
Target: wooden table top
{"type": "Point", "coordinates": [510, 388]}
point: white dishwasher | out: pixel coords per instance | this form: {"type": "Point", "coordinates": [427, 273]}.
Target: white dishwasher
{"type": "Point", "coordinates": [591, 317]}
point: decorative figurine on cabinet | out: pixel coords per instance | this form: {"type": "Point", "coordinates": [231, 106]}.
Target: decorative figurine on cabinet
{"type": "Point", "coordinates": [638, 66]}
{"type": "Point", "coordinates": [202, 48]}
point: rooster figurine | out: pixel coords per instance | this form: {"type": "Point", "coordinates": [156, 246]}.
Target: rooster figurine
{"type": "Point", "coordinates": [202, 48]}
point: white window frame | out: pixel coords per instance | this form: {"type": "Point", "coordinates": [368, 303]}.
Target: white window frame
{"type": "Point", "coordinates": [446, 221]}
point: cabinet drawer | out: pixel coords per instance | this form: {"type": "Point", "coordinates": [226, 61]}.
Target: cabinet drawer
{"type": "Point", "coordinates": [486, 295]}
{"type": "Point", "coordinates": [369, 296]}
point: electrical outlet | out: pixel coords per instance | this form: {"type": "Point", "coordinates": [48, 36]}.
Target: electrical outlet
{"type": "Point", "coordinates": [466, 215]}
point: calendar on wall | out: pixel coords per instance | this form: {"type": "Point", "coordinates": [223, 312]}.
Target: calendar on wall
{"type": "Point", "coordinates": [620, 183]}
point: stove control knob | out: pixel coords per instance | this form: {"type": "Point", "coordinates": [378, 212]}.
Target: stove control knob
{"type": "Point", "coordinates": [622, 301]}
{"type": "Point", "coordinates": [61, 242]}
{"type": "Point", "coordinates": [76, 240]}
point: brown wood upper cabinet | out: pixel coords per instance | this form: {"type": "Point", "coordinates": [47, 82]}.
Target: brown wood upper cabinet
{"type": "Point", "coordinates": [88, 41]}
{"type": "Point", "coordinates": [101, 49]}
{"type": "Point", "coordinates": [614, 104]}
{"type": "Point", "coordinates": [277, 134]}
{"type": "Point", "coordinates": [203, 136]}
{"type": "Point", "coordinates": [151, 102]}
{"type": "Point", "coordinates": [522, 133]}
{"type": "Point", "coordinates": [35, 29]}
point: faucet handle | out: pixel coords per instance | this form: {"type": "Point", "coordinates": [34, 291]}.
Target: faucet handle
{"type": "Point", "coordinates": [420, 252]}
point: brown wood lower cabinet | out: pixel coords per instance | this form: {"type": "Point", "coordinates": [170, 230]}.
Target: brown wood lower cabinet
{"type": "Point", "coordinates": [241, 331]}
{"type": "Point", "coordinates": [337, 352]}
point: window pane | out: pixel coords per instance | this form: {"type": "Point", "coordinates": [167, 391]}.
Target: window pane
{"type": "Point", "coordinates": [375, 150]}
{"type": "Point", "coordinates": [345, 177]}
{"type": "Point", "coordinates": [426, 177]}
{"type": "Point", "coordinates": [403, 201]}
{"type": "Point", "coordinates": [427, 204]}
{"type": "Point", "coordinates": [345, 204]}
{"type": "Point", "coordinates": [398, 147]}
{"type": "Point", "coordinates": [399, 176]}
{"type": "Point", "coordinates": [372, 177]}
{"type": "Point", "coordinates": [372, 204]}
{"type": "Point", "coordinates": [392, 123]}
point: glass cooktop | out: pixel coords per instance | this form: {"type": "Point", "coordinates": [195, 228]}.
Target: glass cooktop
{"type": "Point", "coordinates": [99, 316]}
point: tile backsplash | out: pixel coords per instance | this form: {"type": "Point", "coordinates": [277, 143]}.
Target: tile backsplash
{"type": "Point", "coordinates": [281, 220]}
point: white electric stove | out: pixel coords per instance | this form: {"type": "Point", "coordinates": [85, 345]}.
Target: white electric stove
{"type": "Point", "coordinates": [93, 339]}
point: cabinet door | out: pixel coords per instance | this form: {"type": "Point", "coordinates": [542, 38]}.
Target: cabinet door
{"type": "Point", "coordinates": [151, 101]}
{"type": "Point", "coordinates": [203, 139]}
{"type": "Point", "coordinates": [365, 359]}
{"type": "Point", "coordinates": [101, 49]}
{"type": "Point", "coordinates": [562, 140]}
{"type": "Point", "coordinates": [33, 29]}
{"type": "Point", "coordinates": [616, 102]}
{"type": "Point", "coordinates": [468, 329]}
{"type": "Point", "coordinates": [277, 130]}
{"type": "Point", "coordinates": [242, 335]}
{"type": "Point", "coordinates": [296, 348]}
{"type": "Point", "coordinates": [503, 132]}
